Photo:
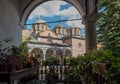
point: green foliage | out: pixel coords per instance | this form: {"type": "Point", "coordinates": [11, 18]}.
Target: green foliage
{"type": "Point", "coordinates": [88, 64]}
{"type": "Point", "coordinates": [83, 68]}
{"type": "Point", "coordinates": [105, 56]}
{"type": "Point", "coordinates": [71, 60]}
{"type": "Point", "coordinates": [73, 78]}
{"type": "Point", "coordinates": [108, 25]}
{"type": "Point", "coordinates": [51, 61]}
{"type": "Point", "coordinates": [12, 55]}
{"type": "Point", "coordinates": [114, 71]}
{"type": "Point", "coordinates": [21, 51]}
{"type": "Point", "coordinates": [51, 76]}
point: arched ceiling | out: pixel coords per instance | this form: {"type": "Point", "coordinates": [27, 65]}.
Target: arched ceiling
{"type": "Point", "coordinates": [85, 7]}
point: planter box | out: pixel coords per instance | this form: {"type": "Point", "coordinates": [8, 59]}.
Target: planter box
{"type": "Point", "coordinates": [11, 77]}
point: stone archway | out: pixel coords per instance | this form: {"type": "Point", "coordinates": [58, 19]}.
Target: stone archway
{"type": "Point", "coordinates": [49, 53]}
{"type": "Point", "coordinates": [88, 12]}
{"type": "Point", "coordinates": [38, 53]}
{"type": "Point", "coordinates": [31, 4]}
{"type": "Point", "coordinates": [59, 54]}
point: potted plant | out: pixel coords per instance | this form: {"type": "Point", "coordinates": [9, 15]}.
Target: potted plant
{"type": "Point", "coordinates": [33, 61]}
{"type": "Point", "coordinates": [12, 58]}
{"type": "Point", "coordinates": [15, 51]}
{"type": "Point", "coordinates": [8, 60]}
{"type": "Point", "coordinates": [23, 56]}
{"type": "Point", "coordinates": [11, 62]}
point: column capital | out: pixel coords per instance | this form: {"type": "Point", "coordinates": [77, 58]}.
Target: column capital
{"type": "Point", "coordinates": [90, 18]}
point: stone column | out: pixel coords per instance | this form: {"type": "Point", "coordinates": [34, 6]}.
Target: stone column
{"type": "Point", "coordinates": [44, 53]}
{"type": "Point", "coordinates": [54, 52]}
{"type": "Point", "coordinates": [90, 34]}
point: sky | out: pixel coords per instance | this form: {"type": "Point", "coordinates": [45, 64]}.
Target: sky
{"type": "Point", "coordinates": [55, 11]}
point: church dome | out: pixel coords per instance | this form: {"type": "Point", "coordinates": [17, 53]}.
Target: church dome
{"type": "Point", "coordinates": [47, 33]}
{"type": "Point", "coordinates": [60, 25]}
{"type": "Point", "coordinates": [41, 25]}
{"type": "Point", "coordinates": [40, 21]}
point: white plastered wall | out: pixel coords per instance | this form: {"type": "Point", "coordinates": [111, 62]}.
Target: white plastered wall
{"type": "Point", "coordinates": [9, 21]}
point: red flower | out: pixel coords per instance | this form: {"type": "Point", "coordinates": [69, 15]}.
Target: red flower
{"type": "Point", "coordinates": [27, 55]}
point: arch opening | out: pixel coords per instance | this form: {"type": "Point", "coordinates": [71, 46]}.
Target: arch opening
{"type": "Point", "coordinates": [59, 54]}
{"type": "Point", "coordinates": [59, 31]}
{"type": "Point", "coordinates": [31, 5]}
{"type": "Point", "coordinates": [49, 53]}
{"type": "Point", "coordinates": [37, 52]}
{"type": "Point", "coordinates": [68, 53]}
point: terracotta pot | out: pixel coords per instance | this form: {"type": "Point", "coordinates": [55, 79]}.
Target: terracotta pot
{"type": "Point", "coordinates": [32, 63]}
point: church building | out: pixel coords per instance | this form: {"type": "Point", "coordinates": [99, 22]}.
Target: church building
{"type": "Point", "coordinates": [61, 41]}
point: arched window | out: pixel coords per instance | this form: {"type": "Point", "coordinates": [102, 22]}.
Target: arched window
{"type": "Point", "coordinates": [72, 32]}
{"type": "Point", "coordinates": [68, 53]}
{"type": "Point", "coordinates": [78, 31]}
{"type": "Point", "coordinates": [59, 53]}
{"type": "Point", "coordinates": [75, 32]}
{"type": "Point", "coordinates": [63, 31]}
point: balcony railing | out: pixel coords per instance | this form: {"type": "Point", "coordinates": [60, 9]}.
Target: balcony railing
{"type": "Point", "coordinates": [54, 74]}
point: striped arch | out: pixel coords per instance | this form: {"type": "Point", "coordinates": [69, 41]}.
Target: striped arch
{"type": "Point", "coordinates": [37, 52]}
{"type": "Point", "coordinates": [49, 53]}
{"type": "Point", "coordinates": [59, 53]}
{"type": "Point", "coordinates": [68, 53]}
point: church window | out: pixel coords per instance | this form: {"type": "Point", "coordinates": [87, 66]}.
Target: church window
{"type": "Point", "coordinates": [50, 39]}
{"type": "Point", "coordinates": [78, 32]}
{"type": "Point", "coordinates": [74, 32]}
{"type": "Point", "coordinates": [62, 31]}
{"type": "Point", "coordinates": [57, 31]}
{"type": "Point", "coordinates": [40, 26]}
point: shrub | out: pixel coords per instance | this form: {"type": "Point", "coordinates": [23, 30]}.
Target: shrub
{"type": "Point", "coordinates": [113, 73]}
{"type": "Point", "coordinates": [51, 61]}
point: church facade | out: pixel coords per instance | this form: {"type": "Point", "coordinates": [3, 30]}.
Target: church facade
{"type": "Point", "coordinates": [61, 41]}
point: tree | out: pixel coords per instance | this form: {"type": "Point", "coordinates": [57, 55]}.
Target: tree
{"type": "Point", "coordinates": [109, 25]}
